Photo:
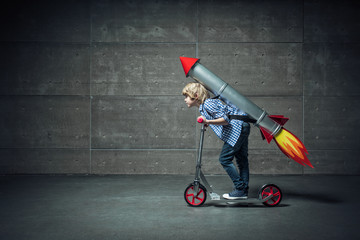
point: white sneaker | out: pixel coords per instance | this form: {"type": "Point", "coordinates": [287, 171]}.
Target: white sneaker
{"type": "Point", "coordinates": [236, 195]}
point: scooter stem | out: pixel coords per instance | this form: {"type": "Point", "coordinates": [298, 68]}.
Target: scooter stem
{"type": "Point", "coordinates": [198, 162]}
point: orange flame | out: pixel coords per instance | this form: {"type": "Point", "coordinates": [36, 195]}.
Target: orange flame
{"type": "Point", "coordinates": [292, 147]}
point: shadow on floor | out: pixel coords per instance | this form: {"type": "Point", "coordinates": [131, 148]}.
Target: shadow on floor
{"type": "Point", "coordinates": [329, 198]}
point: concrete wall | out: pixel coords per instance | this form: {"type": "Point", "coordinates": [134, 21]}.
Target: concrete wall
{"type": "Point", "coordinates": [94, 87]}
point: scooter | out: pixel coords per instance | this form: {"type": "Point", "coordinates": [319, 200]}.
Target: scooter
{"type": "Point", "coordinates": [196, 193]}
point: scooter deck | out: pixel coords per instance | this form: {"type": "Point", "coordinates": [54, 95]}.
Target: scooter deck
{"type": "Point", "coordinates": [216, 197]}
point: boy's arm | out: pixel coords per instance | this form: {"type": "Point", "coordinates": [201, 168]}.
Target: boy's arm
{"type": "Point", "coordinates": [218, 121]}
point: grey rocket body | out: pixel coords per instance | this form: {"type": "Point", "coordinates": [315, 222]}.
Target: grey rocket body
{"type": "Point", "coordinates": [271, 126]}
{"type": "Point", "coordinates": [220, 88]}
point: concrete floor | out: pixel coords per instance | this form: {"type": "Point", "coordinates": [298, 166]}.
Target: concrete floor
{"type": "Point", "coordinates": [153, 207]}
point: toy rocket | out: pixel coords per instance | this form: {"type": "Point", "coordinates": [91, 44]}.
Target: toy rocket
{"type": "Point", "coordinates": [271, 126]}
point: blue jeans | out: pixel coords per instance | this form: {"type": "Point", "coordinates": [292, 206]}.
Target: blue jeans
{"type": "Point", "coordinates": [240, 152]}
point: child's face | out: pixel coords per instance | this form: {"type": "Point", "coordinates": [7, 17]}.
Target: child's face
{"type": "Point", "coordinates": [190, 102]}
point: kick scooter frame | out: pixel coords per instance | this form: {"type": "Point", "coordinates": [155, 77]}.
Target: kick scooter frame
{"type": "Point", "coordinates": [196, 193]}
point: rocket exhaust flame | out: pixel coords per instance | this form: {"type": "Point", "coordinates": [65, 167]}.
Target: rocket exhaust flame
{"type": "Point", "coordinates": [292, 147]}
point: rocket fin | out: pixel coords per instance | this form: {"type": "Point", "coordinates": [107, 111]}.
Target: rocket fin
{"type": "Point", "coordinates": [266, 135]}
{"type": "Point", "coordinates": [188, 63]}
{"type": "Point", "coordinates": [280, 119]}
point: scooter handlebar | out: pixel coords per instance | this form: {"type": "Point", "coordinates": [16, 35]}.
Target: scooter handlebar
{"type": "Point", "coordinates": [200, 120]}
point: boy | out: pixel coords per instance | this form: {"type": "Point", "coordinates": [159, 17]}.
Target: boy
{"type": "Point", "coordinates": [233, 132]}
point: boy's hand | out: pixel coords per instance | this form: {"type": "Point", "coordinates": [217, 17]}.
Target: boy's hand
{"type": "Point", "coordinates": [203, 120]}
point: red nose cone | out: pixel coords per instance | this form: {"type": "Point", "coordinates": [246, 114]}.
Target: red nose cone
{"type": "Point", "coordinates": [188, 63]}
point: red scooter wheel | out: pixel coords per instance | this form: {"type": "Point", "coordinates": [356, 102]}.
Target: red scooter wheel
{"type": "Point", "coordinates": [195, 199]}
{"type": "Point", "coordinates": [271, 189]}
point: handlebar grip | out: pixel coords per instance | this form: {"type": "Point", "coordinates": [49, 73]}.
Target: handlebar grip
{"type": "Point", "coordinates": [200, 120]}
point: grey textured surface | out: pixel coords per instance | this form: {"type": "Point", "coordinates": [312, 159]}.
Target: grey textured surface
{"type": "Point", "coordinates": [44, 122]}
{"type": "Point", "coordinates": [153, 207]}
{"type": "Point", "coordinates": [90, 86]}
{"type": "Point", "coordinates": [250, 21]}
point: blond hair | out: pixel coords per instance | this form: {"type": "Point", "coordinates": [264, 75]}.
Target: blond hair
{"type": "Point", "coordinates": [196, 91]}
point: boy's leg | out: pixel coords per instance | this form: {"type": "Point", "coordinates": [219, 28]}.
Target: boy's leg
{"type": "Point", "coordinates": [241, 156]}
{"type": "Point", "coordinates": [226, 159]}
{"type": "Point", "coordinates": [243, 165]}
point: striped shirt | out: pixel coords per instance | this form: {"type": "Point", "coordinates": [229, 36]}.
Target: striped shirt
{"type": "Point", "coordinates": [213, 109]}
